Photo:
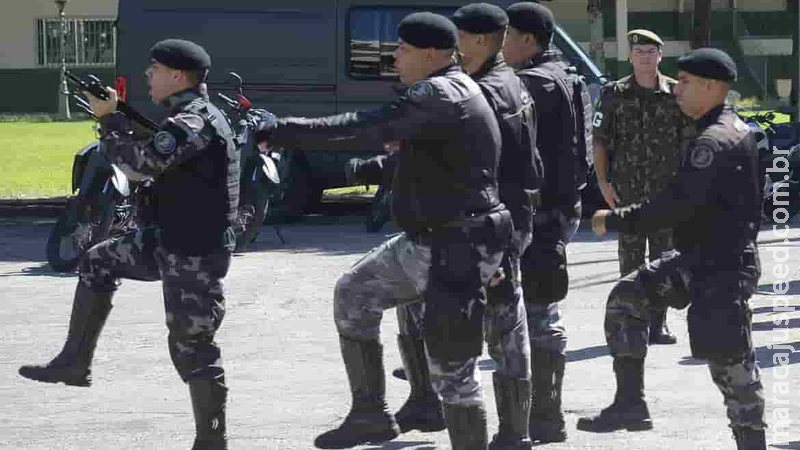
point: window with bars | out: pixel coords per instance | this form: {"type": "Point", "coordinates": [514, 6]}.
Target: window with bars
{"type": "Point", "coordinates": [373, 38]}
{"type": "Point", "coordinates": [89, 43]}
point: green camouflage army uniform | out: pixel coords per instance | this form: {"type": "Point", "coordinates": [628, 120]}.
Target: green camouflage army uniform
{"type": "Point", "coordinates": [641, 129]}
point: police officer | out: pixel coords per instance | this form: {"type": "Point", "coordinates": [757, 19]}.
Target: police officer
{"type": "Point", "coordinates": [544, 271]}
{"type": "Point", "coordinates": [636, 125]}
{"type": "Point", "coordinates": [481, 31]}
{"type": "Point", "coordinates": [713, 203]}
{"type": "Point", "coordinates": [195, 166]}
{"type": "Point", "coordinates": [445, 199]}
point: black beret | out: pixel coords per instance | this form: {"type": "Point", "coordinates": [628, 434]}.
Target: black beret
{"type": "Point", "coordinates": [533, 18]}
{"type": "Point", "coordinates": [708, 63]}
{"type": "Point", "coordinates": [644, 37]}
{"type": "Point", "coordinates": [428, 30]}
{"type": "Point", "coordinates": [180, 54]}
{"type": "Point", "coordinates": [480, 18]}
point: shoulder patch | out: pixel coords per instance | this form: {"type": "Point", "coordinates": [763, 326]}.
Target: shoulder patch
{"type": "Point", "coordinates": [165, 142]}
{"type": "Point", "coordinates": [420, 90]}
{"type": "Point", "coordinates": [702, 154]}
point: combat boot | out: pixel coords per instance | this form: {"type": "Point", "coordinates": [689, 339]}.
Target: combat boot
{"type": "Point", "coordinates": [513, 399]}
{"type": "Point", "coordinates": [629, 410]}
{"type": "Point", "coordinates": [466, 426]}
{"type": "Point", "coordinates": [209, 398]}
{"type": "Point", "coordinates": [369, 419]}
{"type": "Point", "coordinates": [546, 418]}
{"type": "Point", "coordinates": [72, 366]}
{"type": "Point", "coordinates": [749, 439]}
{"type": "Point", "coordinates": [423, 409]}
{"type": "Point", "coordinates": [659, 331]}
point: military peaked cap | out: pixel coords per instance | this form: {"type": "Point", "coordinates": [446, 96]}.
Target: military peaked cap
{"type": "Point", "coordinates": [644, 37]}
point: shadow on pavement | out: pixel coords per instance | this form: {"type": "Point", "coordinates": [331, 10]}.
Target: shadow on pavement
{"type": "Point", "coordinates": [769, 289]}
{"type": "Point", "coordinates": [781, 325]}
{"type": "Point", "coordinates": [583, 354]}
{"type": "Point", "coordinates": [41, 270]}
{"type": "Point", "coordinates": [692, 361]}
{"type": "Point", "coordinates": [778, 355]}
{"type": "Point", "coordinates": [397, 445]}
{"type": "Point", "coordinates": [790, 445]}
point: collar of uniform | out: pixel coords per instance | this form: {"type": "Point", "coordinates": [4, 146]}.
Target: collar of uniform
{"type": "Point", "coordinates": [711, 116]}
{"type": "Point", "coordinates": [181, 98]}
{"type": "Point", "coordinates": [544, 57]}
{"type": "Point", "coordinates": [662, 85]}
{"type": "Point", "coordinates": [491, 63]}
{"type": "Point", "coordinates": [445, 70]}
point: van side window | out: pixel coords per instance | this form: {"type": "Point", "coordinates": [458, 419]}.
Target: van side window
{"type": "Point", "coordinates": [372, 38]}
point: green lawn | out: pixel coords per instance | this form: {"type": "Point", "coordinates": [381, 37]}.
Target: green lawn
{"type": "Point", "coordinates": [37, 157]}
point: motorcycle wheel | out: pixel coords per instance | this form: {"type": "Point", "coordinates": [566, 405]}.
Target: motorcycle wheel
{"type": "Point", "coordinates": [256, 214]}
{"type": "Point", "coordinates": [70, 237]}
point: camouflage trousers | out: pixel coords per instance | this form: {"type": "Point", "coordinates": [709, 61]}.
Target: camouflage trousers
{"type": "Point", "coordinates": [719, 322]}
{"type": "Point", "coordinates": [393, 274]}
{"type": "Point", "coordinates": [505, 320]}
{"type": "Point", "coordinates": [193, 293]}
{"type": "Point", "coordinates": [545, 259]}
{"type": "Point", "coordinates": [632, 248]}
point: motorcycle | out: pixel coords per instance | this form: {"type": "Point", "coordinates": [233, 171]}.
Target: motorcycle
{"type": "Point", "coordinates": [104, 205]}
{"type": "Point", "coordinates": [261, 172]}
{"type": "Point", "coordinates": [776, 141]}
{"type": "Point", "coordinates": [105, 202]}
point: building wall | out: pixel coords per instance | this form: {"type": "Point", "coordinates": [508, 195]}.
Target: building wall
{"type": "Point", "coordinates": [18, 26]}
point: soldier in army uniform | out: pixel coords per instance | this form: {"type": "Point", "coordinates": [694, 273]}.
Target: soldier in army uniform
{"type": "Point", "coordinates": [636, 125]}
{"type": "Point", "coordinates": [713, 204]}
{"type": "Point", "coordinates": [195, 165]}
{"type": "Point", "coordinates": [445, 199]}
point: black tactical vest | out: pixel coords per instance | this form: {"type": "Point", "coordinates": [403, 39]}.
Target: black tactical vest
{"type": "Point", "coordinates": [196, 202]}
{"type": "Point", "coordinates": [448, 169]}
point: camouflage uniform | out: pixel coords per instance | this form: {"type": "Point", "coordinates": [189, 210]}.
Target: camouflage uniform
{"type": "Point", "coordinates": [639, 128]}
{"type": "Point", "coordinates": [193, 297]}
{"type": "Point", "coordinates": [673, 281]}
{"type": "Point", "coordinates": [394, 274]}
{"type": "Point", "coordinates": [195, 165]}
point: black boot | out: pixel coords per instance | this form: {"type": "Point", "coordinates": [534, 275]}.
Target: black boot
{"type": "Point", "coordinates": [369, 419]}
{"type": "Point", "coordinates": [209, 398]}
{"type": "Point", "coordinates": [629, 410]}
{"type": "Point", "coordinates": [72, 366]}
{"type": "Point", "coordinates": [659, 331]}
{"type": "Point", "coordinates": [749, 439]}
{"type": "Point", "coordinates": [466, 426]}
{"type": "Point", "coordinates": [547, 374]}
{"type": "Point", "coordinates": [423, 409]}
{"type": "Point", "coordinates": [513, 398]}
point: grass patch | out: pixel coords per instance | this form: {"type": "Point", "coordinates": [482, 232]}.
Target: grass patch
{"type": "Point", "coordinates": [779, 117]}
{"type": "Point", "coordinates": [37, 157]}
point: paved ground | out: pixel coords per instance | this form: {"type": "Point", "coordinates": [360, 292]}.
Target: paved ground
{"type": "Point", "coordinates": [286, 378]}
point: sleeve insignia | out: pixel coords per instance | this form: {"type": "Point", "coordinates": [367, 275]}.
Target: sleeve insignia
{"type": "Point", "coordinates": [165, 143]}
{"type": "Point", "coordinates": [702, 156]}
{"type": "Point", "coordinates": [420, 90]}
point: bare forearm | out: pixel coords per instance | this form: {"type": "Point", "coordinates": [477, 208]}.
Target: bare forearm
{"type": "Point", "coordinates": [600, 161]}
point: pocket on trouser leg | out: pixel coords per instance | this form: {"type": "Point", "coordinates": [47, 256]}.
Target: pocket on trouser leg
{"type": "Point", "coordinates": [719, 331]}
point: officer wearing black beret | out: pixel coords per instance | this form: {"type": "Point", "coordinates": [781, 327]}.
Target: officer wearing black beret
{"type": "Point", "coordinates": [445, 199]}
{"type": "Point", "coordinates": [545, 281]}
{"type": "Point", "coordinates": [714, 206]}
{"type": "Point", "coordinates": [195, 167]}
{"type": "Point", "coordinates": [481, 31]}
